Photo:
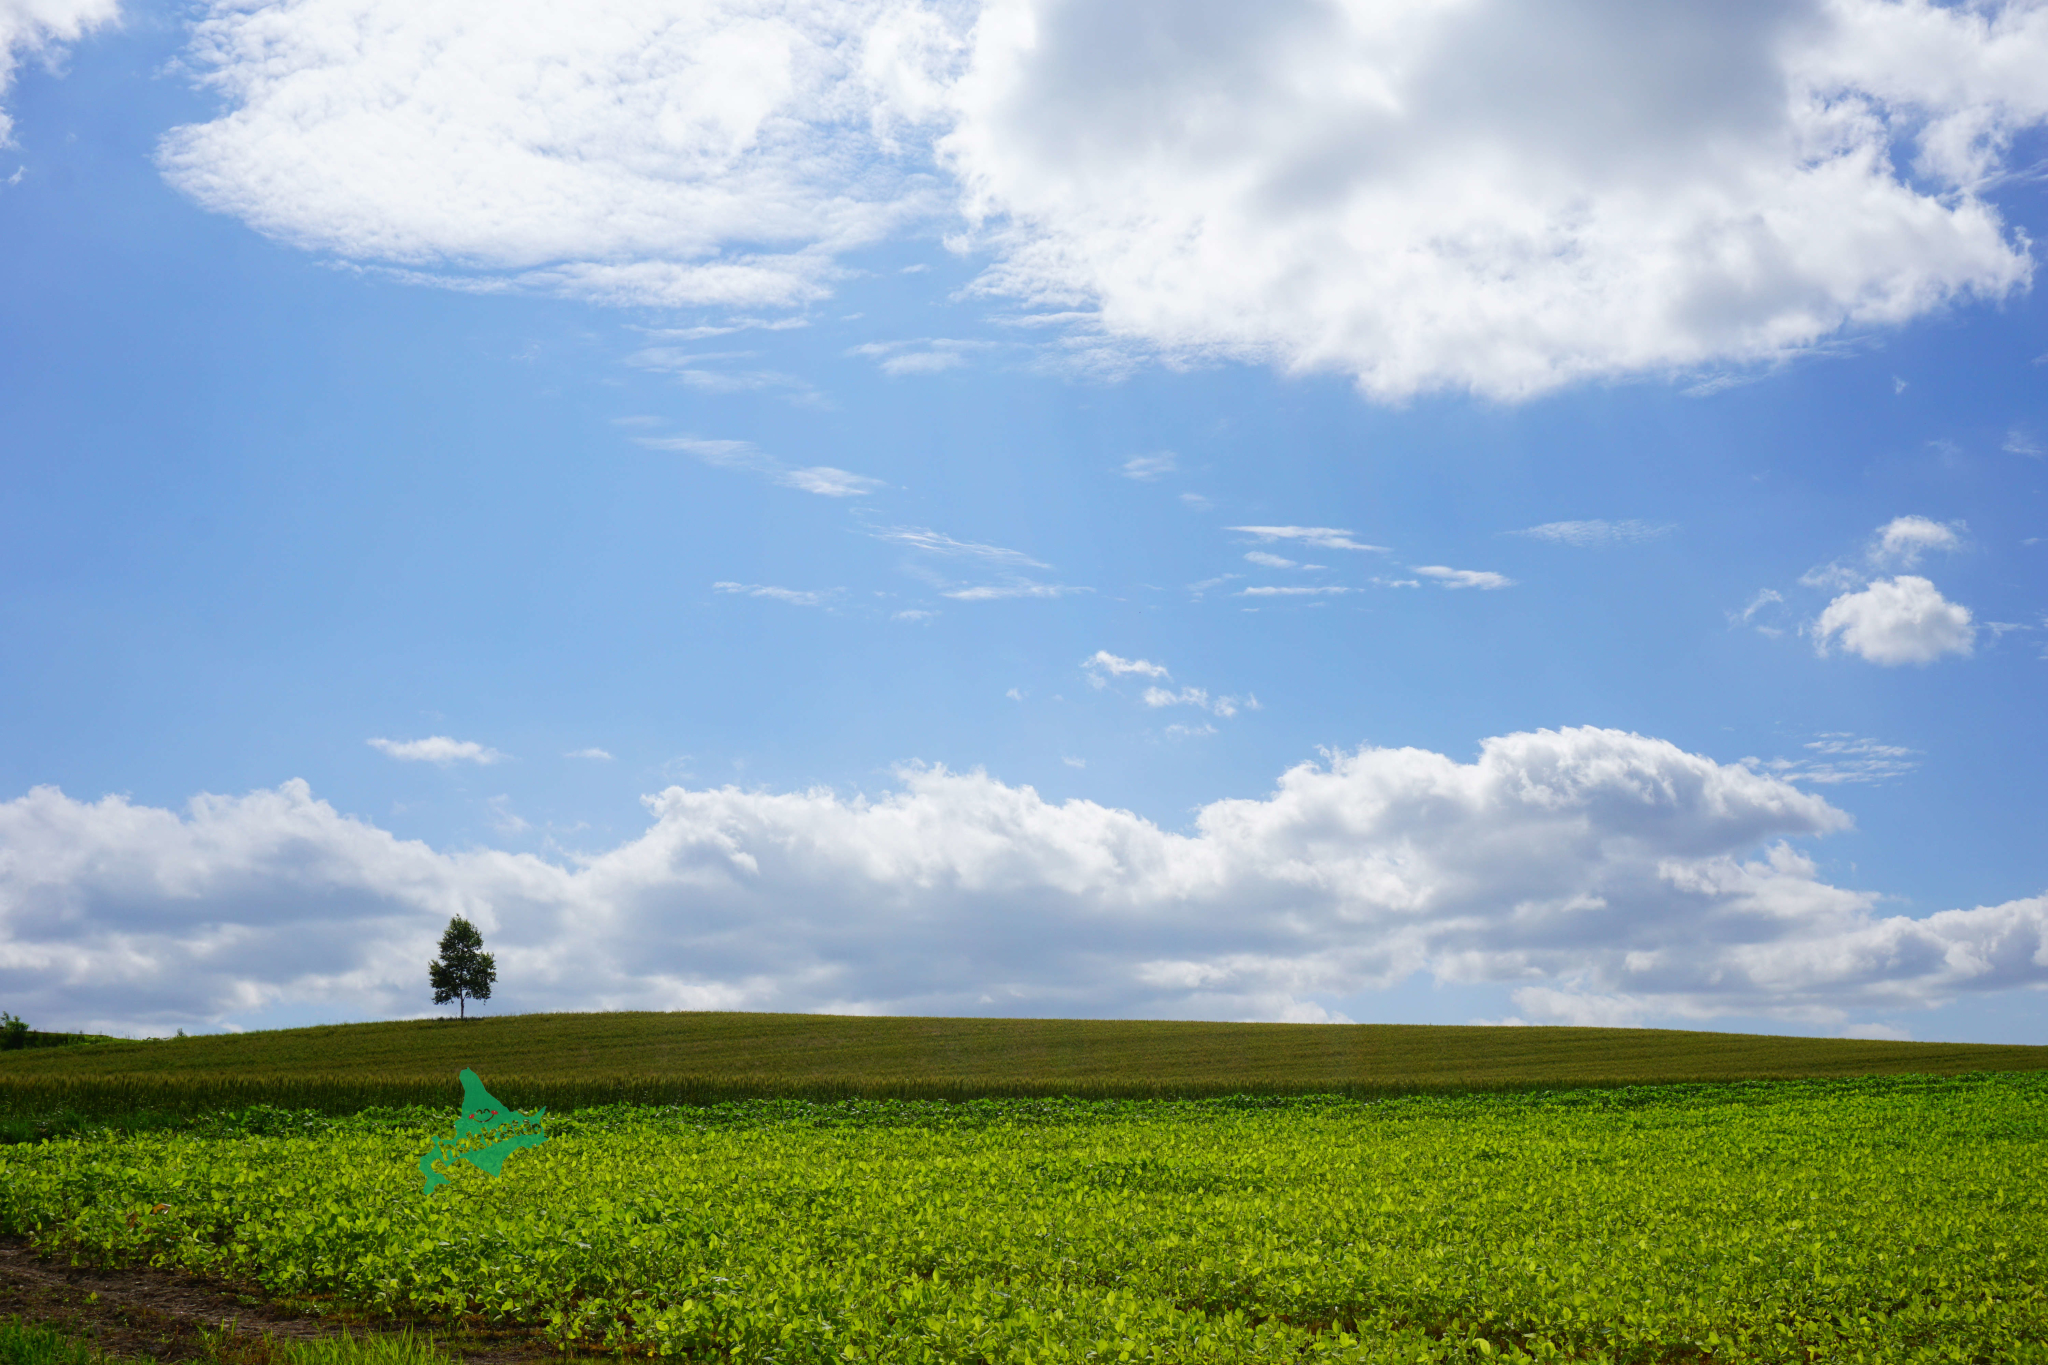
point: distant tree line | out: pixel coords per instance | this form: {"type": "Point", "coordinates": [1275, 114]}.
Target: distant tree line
{"type": "Point", "coordinates": [14, 1035]}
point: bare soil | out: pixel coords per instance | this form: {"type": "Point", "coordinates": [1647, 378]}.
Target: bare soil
{"type": "Point", "coordinates": [168, 1317]}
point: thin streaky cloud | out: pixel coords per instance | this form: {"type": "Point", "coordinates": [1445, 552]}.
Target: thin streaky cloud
{"type": "Point", "coordinates": [793, 596]}
{"type": "Point", "coordinates": [727, 453]}
{"type": "Point", "coordinates": [1323, 537]}
{"type": "Point", "coordinates": [1145, 468]}
{"type": "Point", "coordinates": [990, 592]}
{"type": "Point", "coordinates": [1597, 532]}
{"type": "Point", "coordinates": [601, 755]}
{"type": "Point", "coordinates": [828, 482]}
{"type": "Point", "coordinates": [1293, 592]}
{"type": "Point", "coordinates": [938, 543]}
{"type": "Point", "coordinates": [824, 480]}
{"type": "Point", "coordinates": [1463, 578]}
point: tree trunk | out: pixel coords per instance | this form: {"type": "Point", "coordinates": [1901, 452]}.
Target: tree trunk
{"type": "Point", "coordinates": [462, 1003]}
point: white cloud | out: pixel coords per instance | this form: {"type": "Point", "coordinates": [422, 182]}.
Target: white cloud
{"type": "Point", "coordinates": [1491, 196]}
{"type": "Point", "coordinates": [688, 369]}
{"type": "Point", "coordinates": [1462, 578]}
{"type": "Point", "coordinates": [990, 592]}
{"type": "Point", "coordinates": [928, 356]}
{"type": "Point", "coordinates": [32, 28]}
{"type": "Point", "coordinates": [2021, 442]}
{"type": "Point", "coordinates": [1323, 537]}
{"type": "Point", "coordinates": [913, 614]}
{"type": "Point", "coordinates": [727, 454]}
{"type": "Point", "coordinates": [1764, 599]}
{"type": "Point", "coordinates": [1834, 759]}
{"type": "Point", "coordinates": [823, 480]}
{"type": "Point", "coordinates": [436, 749]}
{"type": "Point", "coordinates": [829, 482]}
{"type": "Point", "coordinates": [1605, 874]}
{"type": "Point", "coordinates": [508, 822]}
{"type": "Point", "coordinates": [1186, 696]}
{"type": "Point", "coordinates": [1902, 620]}
{"type": "Point", "coordinates": [1324, 591]}
{"type": "Point", "coordinates": [1597, 532]}
{"type": "Point", "coordinates": [1103, 664]}
{"type": "Point", "coordinates": [592, 752]}
{"type": "Point", "coordinates": [793, 596]}
{"type": "Point", "coordinates": [655, 152]}
{"type": "Point", "coordinates": [1146, 467]}
{"type": "Point", "coordinates": [1465, 195]}
{"type": "Point", "coordinates": [1270, 561]}
{"type": "Point", "coordinates": [1190, 696]}
{"type": "Point", "coordinates": [934, 542]}
{"type": "Point", "coordinates": [1898, 544]}
{"type": "Point", "coordinates": [1903, 540]}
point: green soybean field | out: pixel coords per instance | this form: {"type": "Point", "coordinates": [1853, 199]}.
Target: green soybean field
{"type": "Point", "coordinates": [1883, 1219]}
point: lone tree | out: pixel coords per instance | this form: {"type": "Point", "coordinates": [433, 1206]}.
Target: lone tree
{"type": "Point", "coordinates": [465, 971]}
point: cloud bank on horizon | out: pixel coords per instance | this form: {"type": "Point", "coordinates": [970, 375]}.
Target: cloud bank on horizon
{"type": "Point", "coordinates": [1610, 877]}
{"type": "Point", "coordinates": [1464, 195]}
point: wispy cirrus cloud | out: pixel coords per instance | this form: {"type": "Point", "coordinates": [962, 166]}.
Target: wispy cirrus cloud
{"type": "Point", "coordinates": [437, 749]}
{"type": "Point", "coordinates": [708, 372]}
{"type": "Point", "coordinates": [1839, 758]}
{"type": "Point", "coordinates": [1325, 590]}
{"type": "Point", "coordinates": [1484, 579]}
{"type": "Point", "coordinates": [924, 355]}
{"type": "Point", "coordinates": [1006, 564]}
{"type": "Point", "coordinates": [1597, 532]}
{"type": "Point", "coordinates": [1146, 468]}
{"type": "Point", "coordinates": [824, 480]}
{"type": "Point", "coordinates": [993, 592]}
{"type": "Point", "coordinates": [1322, 537]}
{"type": "Point", "coordinates": [793, 596]}
{"type": "Point", "coordinates": [938, 543]}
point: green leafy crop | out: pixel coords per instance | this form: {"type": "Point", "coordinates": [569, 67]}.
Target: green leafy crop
{"type": "Point", "coordinates": [1889, 1221]}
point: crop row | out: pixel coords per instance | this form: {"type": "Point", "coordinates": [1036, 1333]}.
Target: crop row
{"type": "Point", "coordinates": [1878, 1224]}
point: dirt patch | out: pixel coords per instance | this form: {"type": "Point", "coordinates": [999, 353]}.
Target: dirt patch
{"type": "Point", "coordinates": [168, 1317]}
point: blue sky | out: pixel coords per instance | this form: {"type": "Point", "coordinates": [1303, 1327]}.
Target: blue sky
{"type": "Point", "coordinates": [859, 507]}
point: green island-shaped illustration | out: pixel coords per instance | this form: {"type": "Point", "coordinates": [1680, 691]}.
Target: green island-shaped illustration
{"type": "Point", "coordinates": [481, 1113]}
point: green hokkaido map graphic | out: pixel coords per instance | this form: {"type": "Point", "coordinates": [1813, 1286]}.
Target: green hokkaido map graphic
{"type": "Point", "coordinates": [482, 1115]}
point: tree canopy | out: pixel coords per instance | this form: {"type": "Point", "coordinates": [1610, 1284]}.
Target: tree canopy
{"type": "Point", "coordinates": [464, 971]}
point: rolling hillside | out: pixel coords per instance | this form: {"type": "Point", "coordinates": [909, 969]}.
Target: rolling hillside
{"type": "Point", "coordinates": [568, 1059]}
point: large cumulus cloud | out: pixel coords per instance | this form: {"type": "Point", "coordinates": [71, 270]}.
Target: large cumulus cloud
{"type": "Point", "coordinates": [1604, 875]}
{"type": "Point", "coordinates": [1489, 195]}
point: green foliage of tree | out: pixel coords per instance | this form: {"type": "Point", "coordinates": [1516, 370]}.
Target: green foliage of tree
{"type": "Point", "coordinates": [464, 971]}
{"type": "Point", "coordinates": [13, 1032]}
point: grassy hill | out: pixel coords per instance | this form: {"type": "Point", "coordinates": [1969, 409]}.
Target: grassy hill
{"type": "Point", "coordinates": [563, 1060]}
